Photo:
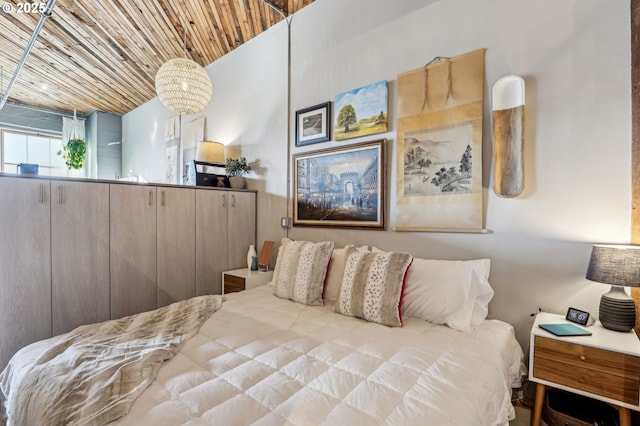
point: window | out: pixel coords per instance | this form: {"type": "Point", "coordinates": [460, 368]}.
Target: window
{"type": "Point", "coordinates": [21, 147]}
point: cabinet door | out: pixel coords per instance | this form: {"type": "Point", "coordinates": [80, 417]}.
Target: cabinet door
{"type": "Point", "coordinates": [176, 245]}
{"type": "Point", "coordinates": [133, 249]}
{"type": "Point", "coordinates": [242, 227]}
{"type": "Point", "coordinates": [79, 253]}
{"type": "Point", "coordinates": [211, 240]}
{"type": "Point", "coordinates": [25, 264]}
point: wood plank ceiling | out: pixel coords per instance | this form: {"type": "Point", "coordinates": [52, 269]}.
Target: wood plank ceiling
{"type": "Point", "coordinates": [104, 54]}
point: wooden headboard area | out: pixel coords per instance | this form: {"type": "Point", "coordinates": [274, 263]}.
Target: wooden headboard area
{"type": "Point", "coordinates": [635, 143]}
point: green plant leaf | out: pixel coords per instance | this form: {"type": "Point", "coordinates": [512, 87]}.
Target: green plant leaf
{"type": "Point", "coordinates": [237, 166]}
{"type": "Point", "coordinates": [74, 153]}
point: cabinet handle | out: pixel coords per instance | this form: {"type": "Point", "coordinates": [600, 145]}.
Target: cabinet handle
{"type": "Point", "coordinates": [41, 200]}
{"type": "Point", "coordinates": [164, 197]}
{"type": "Point", "coordinates": [583, 358]}
{"type": "Point", "coordinates": [581, 380]}
{"type": "Point", "coordinates": [150, 198]}
{"type": "Point", "coordinates": [233, 201]}
{"type": "Point", "coordinates": [60, 194]}
{"type": "Point", "coordinates": [224, 200]}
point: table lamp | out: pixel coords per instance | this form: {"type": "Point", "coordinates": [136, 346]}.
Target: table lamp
{"type": "Point", "coordinates": [210, 152]}
{"type": "Point", "coordinates": [618, 265]}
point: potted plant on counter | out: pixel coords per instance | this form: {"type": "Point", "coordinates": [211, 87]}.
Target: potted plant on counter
{"type": "Point", "coordinates": [236, 168]}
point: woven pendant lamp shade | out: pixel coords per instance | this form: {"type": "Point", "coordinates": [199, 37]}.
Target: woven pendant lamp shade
{"type": "Point", "coordinates": [183, 86]}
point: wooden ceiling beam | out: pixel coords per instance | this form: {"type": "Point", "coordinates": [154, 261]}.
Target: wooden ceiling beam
{"type": "Point", "coordinates": [228, 23]}
{"type": "Point", "coordinates": [105, 72]}
{"type": "Point", "coordinates": [104, 59]}
{"type": "Point", "coordinates": [200, 47]}
{"type": "Point", "coordinates": [104, 54]}
{"type": "Point", "coordinates": [49, 67]}
{"type": "Point", "coordinates": [222, 41]}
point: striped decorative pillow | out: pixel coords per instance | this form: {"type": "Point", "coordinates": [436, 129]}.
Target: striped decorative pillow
{"type": "Point", "coordinates": [300, 270]}
{"type": "Point", "coordinates": [372, 286]}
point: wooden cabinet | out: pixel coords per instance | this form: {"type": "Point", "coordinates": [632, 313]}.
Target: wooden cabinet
{"type": "Point", "coordinates": [169, 244]}
{"type": "Point", "coordinates": [242, 228]}
{"type": "Point", "coordinates": [75, 252]}
{"type": "Point", "coordinates": [211, 240]}
{"type": "Point", "coordinates": [132, 249]}
{"type": "Point", "coordinates": [25, 264]}
{"type": "Point", "coordinates": [603, 366]}
{"type": "Point", "coordinates": [225, 227]}
{"type": "Point", "coordinates": [176, 249]}
{"type": "Point", "coordinates": [79, 254]}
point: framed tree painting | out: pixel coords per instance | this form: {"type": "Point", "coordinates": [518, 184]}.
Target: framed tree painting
{"type": "Point", "coordinates": [341, 187]}
{"type": "Point", "coordinates": [313, 124]}
{"type": "Point", "coordinates": [361, 112]}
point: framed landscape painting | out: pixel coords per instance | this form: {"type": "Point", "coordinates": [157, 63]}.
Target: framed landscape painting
{"type": "Point", "coordinates": [341, 187]}
{"type": "Point", "coordinates": [313, 124]}
{"type": "Point", "coordinates": [361, 112]}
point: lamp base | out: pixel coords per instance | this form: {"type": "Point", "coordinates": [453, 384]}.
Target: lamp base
{"type": "Point", "coordinates": [617, 310]}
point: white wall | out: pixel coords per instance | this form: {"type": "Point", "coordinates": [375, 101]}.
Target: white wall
{"type": "Point", "coordinates": [575, 58]}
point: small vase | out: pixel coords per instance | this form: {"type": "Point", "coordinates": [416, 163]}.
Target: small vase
{"type": "Point", "coordinates": [250, 255]}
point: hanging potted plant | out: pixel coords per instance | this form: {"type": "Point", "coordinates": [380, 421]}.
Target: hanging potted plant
{"type": "Point", "coordinates": [74, 153]}
{"type": "Point", "coordinates": [236, 168]}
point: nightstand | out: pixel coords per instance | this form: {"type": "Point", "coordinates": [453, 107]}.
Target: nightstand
{"type": "Point", "coordinates": [244, 279]}
{"type": "Point", "coordinates": [604, 366]}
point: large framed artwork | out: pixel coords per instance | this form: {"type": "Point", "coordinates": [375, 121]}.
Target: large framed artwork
{"type": "Point", "coordinates": [439, 146]}
{"type": "Point", "coordinates": [341, 187]}
{"type": "Point", "coordinates": [313, 124]}
{"type": "Point", "coordinates": [361, 112]}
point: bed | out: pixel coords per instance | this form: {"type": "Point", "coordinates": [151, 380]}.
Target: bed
{"type": "Point", "coordinates": [261, 359]}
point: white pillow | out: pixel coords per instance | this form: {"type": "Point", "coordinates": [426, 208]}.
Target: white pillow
{"type": "Point", "coordinates": [455, 293]}
{"type": "Point", "coordinates": [300, 271]}
{"type": "Point", "coordinates": [336, 272]}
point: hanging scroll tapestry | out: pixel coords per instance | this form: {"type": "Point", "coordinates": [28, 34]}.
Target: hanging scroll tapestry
{"type": "Point", "coordinates": [439, 146]}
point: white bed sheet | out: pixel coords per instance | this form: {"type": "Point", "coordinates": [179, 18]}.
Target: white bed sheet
{"type": "Point", "coordinates": [261, 360]}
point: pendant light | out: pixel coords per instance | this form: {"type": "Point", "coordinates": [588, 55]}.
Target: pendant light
{"type": "Point", "coordinates": [183, 85]}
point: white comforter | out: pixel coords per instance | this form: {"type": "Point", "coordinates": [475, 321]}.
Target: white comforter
{"type": "Point", "coordinates": [261, 360]}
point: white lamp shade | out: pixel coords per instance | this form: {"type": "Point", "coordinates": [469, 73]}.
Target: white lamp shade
{"type": "Point", "coordinates": [183, 86]}
{"type": "Point", "coordinates": [210, 152]}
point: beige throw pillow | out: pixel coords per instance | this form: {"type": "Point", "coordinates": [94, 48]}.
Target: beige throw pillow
{"type": "Point", "coordinates": [372, 286]}
{"type": "Point", "coordinates": [300, 271]}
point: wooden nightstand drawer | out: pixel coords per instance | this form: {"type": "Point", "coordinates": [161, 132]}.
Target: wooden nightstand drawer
{"type": "Point", "coordinates": [604, 366]}
{"type": "Point", "coordinates": [244, 279]}
{"type": "Point", "coordinates": [589, 380]}
{"type": "Point", "coordinates": [233, 283]}
{"type": "Point", "coordinates": [604, 361]}
{"type": "Point", "coordinates": [232, 289]}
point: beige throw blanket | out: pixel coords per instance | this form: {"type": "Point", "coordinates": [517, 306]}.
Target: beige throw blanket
{"type": "Point", "coordinates": [92, 375]}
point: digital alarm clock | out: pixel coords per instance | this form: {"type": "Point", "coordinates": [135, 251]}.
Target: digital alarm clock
{"type": "Point", "coordinates": [579, 317]}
